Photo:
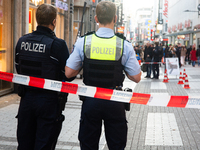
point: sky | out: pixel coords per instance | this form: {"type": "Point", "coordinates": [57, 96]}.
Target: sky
{"type": "Point", "coordinates": [130, 6]}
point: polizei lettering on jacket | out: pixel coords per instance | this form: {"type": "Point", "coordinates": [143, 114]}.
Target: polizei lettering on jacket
{"type": "Point", "coordinates": [34, 47]}
{"type": "Point", "coordinates": [104, 50]}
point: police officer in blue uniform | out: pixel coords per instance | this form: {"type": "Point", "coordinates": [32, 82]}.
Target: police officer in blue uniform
{"type": "Point", "coordinates": [41, 54]}
{"type": "Point", "coordinates": [104, 56]}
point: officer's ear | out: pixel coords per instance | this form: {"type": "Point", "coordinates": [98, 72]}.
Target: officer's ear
{"type": "Point", "coordinates": [115, 19]}
{"type": "Point", "coordinates": [54, 22]}
{"type": "Point", "coordinates": [96, 19]}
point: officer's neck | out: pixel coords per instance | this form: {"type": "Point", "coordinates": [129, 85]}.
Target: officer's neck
{"type": "Point", "coordinates": [110, 26]}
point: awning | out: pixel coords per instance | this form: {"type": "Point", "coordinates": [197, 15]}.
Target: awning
{"type": "Point", "coordinates": [184, 32]}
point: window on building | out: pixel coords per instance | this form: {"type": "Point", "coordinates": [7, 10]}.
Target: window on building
{"type": "Point", "coordinates": [60, 24]}
{"type": "Point", "coordinates": [6, 49]}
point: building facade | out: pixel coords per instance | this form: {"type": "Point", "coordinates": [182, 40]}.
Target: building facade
{"type": "Point", "coordinates": [183, 22]}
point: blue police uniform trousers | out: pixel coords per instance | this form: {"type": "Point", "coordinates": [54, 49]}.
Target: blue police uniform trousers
{"type": "Point", "coordinates": [94, 113]}
{"type": "Point", "coordinates": [38, 126]}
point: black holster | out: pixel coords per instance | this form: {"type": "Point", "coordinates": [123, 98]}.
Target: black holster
{"type": "Point", "coordinates": [82, 98]}
{"type": "Point", "coordinates": [62, 98]}
{"type": "Point", "coordinates": [21, 90]}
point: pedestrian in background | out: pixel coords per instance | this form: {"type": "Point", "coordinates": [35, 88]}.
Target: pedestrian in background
{"type": "Point", "coordinates": [188, 55]}
{"type": "Point", "coordinates": [103, 70]}
{"type": "Point", "coordinates": [41, 54]}
{"type": "Point", "coordinates": [167, 51]}
{"type": "Point", "coordinates": [157, 51]}
{"type": "Point", "coordinates": [148, 53]}
{"type": "Point", "coordinates": [183, 55]}
{"type": "Point", "coordinates": [178, 53]}
{"type": "Point", "coordinates": [193, 56]}
{"type": "Point", "coordinates": [198, 55]}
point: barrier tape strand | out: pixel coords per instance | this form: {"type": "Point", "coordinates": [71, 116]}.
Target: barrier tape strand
{"type": "Point", "coordinates": [102, 93]}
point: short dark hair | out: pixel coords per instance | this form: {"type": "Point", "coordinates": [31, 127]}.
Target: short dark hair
{"type": "Point", "coordinates": [45, 14]}
{"type": "Point", "coordinates": [105, 12]}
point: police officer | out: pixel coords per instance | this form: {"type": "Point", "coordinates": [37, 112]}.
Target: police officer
{"type": "Point", "coordinates": [41, 54]}
{"type": "Point", "coordinates": [104, 57]}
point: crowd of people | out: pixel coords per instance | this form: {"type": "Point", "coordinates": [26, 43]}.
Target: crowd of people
{"type": "Point", "coordinates": [155, 52]}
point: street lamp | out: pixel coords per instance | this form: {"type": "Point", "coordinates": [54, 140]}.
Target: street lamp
{"type": "Point", "coordinates": [198, 7]}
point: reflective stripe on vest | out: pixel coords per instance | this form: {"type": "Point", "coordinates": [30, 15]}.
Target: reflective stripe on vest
{"type": "Point", "coordinates": [103, 48]}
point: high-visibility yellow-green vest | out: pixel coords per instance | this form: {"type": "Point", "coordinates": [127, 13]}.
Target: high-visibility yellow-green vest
{"type": "Point", "coordinates": [102, 61]}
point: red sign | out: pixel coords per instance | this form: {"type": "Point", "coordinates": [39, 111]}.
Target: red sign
{"type": "Point", "coordinates": [120, 29]}
{"type": "Point", "coordinates": [169, 29]}
{"type": "Point", "coordinates": [180, 26]}
{"type": "Point", "coordinates": [165, 12]}
{"type": "Point", "coordinates": [187, 23]}
{"type": "Point", "coordinates": [30, 16]}
{"type": "Point", "coordinates": [174, 28]}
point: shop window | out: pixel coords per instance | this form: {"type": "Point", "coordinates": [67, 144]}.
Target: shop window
{"type": "Point", "coordinates": [32, 20]}
{"type": "Point", "coordinates": [6, 51]}
{"type": "Point", "coordinates": [77, 22]}
{"type": "Point", "coordinates": [60, 24]}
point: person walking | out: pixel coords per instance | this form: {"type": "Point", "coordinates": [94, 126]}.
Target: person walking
{"type": "Point", "coordinates": [183, 55]}
{"type": "Point", "coordinates": [198, 55]}
{"type": "Point", "coordinates": [104, 56]}
{"type": "Point", "coordinates": [148, 52]}
{"type": "Point", "coordinates": [41, 54]}
{"type": "Point", "coordinates": [193, 56]}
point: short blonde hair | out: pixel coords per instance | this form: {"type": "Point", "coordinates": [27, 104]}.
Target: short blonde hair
{"type": "Point", "coordinates": [105, 12]}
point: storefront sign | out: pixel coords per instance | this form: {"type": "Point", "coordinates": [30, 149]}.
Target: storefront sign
{"type": "Point", "coordinates": [165, 11]}
{"type": "Point", "coordinates": [169, 29]}
{"type": "Point", "coordinates": [180, 26]}
{"type": "Point", "coordinates": [188, 23]}
{"type": "Point", "coordinates": [174, 28]}
{"type": "Point", "coordinates": [62, 5]}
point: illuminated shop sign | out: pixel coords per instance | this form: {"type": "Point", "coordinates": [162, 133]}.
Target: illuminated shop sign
{"type": "Point", "coordinates": [62, 4]}
{"type": "Point", "coordinates": [36, 2]}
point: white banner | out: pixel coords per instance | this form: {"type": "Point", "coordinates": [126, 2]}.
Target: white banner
{"type": "Point", "coordinates": [172, 66]}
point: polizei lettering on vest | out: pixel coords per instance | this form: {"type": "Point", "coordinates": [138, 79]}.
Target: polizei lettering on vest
{"type": "Point", "coordinates": [34, 47]}
{"type": "Point", "coordinates": [105, 50]}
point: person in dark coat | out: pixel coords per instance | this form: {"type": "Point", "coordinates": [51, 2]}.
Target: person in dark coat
{"type": "Point", "coordinates": [157, 51]}
{"type": "Point", "coordinates": [188, 54]}
{"type": "Point", "coordinates": [178, 54]}
{"type": "Point", "coordinates": [148, 52]}
{"type": "Point", "coordinates": [198, 55]}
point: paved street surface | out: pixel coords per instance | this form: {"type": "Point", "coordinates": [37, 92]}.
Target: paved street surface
{"type": "Point", "coordinates": [150, 127]}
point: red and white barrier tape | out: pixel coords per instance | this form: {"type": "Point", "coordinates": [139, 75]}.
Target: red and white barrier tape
{"type": "Point", "coordinates": [102, 93]}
